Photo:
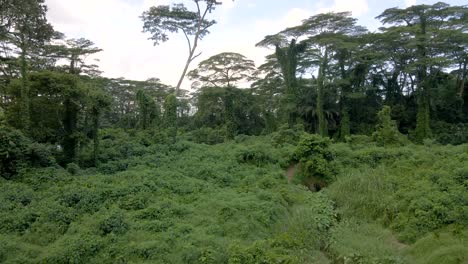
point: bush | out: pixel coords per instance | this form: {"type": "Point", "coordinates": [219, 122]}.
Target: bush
{"type": "Point", "coordinates": [18, 151]}
{"type": "Point", "coordinates": [256, 155]}
{"type": "Point", "coordinates": [386, 132]}
{"type": "Point", "coordinates": [286, 135]}
{"type": "Point", "coordinates": [73, 168]}
{"type": "Point", "coordinates": [356, 140]}
{"type": "Point", "coordinates": [207, 135]}
{"type": "Point", "coordinates": [77, 249]}
{"type": "Point", "coordinates": [314, 157]}
{"type": "Point", "coordinates": [115, 224]}
{"type": "Point", "coordinates": [446, 133]}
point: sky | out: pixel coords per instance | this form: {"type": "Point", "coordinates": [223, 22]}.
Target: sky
{"type": "Point", "coordinates": [115, 26]}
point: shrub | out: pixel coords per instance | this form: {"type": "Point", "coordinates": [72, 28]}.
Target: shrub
{"type": "Point", "coordinates": [356, 140]}
{"type": "Point", "coordinates": [73, 168]}
{"type": "Point", "coordinates": [115, 223]}
{"type": "Point", "coordinates": [454, 134]}
{"type": "Point", "coordinates": [314, 157]}
{"type": "Point", "coordinates": [207, 135]}
{"type": "Point", "coordinates": [255, 155]}
{"type": "Point", "coordinates": [78, 249]}
{"type": "Point", "coordinates": [286, 135]}
{"type": "Point", "coordinates": [18, 151]}
{"type": "Point", "coordinates": [386, 132]}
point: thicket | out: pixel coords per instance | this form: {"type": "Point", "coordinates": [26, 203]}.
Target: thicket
{"type": "Point", "coordinates": [231, 203]}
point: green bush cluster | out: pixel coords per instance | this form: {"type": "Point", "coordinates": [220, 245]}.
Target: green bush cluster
{"type": "Point", "coordinates": [17, 152]}
{"type": "Point", "coordinates": [314, 158]}
{"type": "Point", "coordinates": [207, 135]}
{"type": "Point", "coordinates": [386, 132]}
{"type": "Point", "coordinates": [447, 133]}
{"type": "Point", "coordinates": [416, 191]}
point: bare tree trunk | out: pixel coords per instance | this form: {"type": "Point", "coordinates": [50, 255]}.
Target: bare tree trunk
{"type": "Point", "coordinates": [184, 72]}
{"type": "Point", "coordinates": [461, 88]}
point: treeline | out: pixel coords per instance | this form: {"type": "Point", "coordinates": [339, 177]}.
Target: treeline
{"type": "Point", "coordinates": [328, 74]}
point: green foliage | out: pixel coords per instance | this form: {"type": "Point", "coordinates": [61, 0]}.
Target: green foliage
{"type": "Point", "coordinates": [356, 242]}
{"type": "Point", "coordinates": [220, 193]}
{"type": "Point", "coordinates": [2, 117]}
{"type": "Point", "coordinates": [114, 224]}
{"type": "Point", "coordinates": [231, 203]}
{"type": "Point", "coordinates": [446, 133]}
{"type": "Point", "coordinates": [223, 70]}
{"type": "Point", "coordinates": [256, 155]}
{"type": "Point", "coordinates": [73, 168]}
{"type": "Point", "coordinates": [286, 135]}
{"type": "Point", "coordinates": [386, 132]}
{"type": "Point", "coordinates": [345, 130]}
{"type": "Point", "coordinates": [207, 135]}
{"type": "Point", "coordinates": [445, 247]}
{"type": "Point", "coordinates": [232, 109]}
{"type": "Point", "coordinates": [414, 190]}
{"type": "Point", "coordinates": [423, 125]}
{"type": "Point", "coordinates": [170, 116]}
{"type": "Point", "coordinates": [148, 110]}
{"type": "Point", "coordinates": [18, 151]}
{"type": "Point", "coordinates": [314, 159]}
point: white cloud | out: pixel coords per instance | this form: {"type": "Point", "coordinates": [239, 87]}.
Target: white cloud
{"type": "Point", "coordinates": [410, 3]}
{"type": "Point", "coordinates": [357, 7]}
{"type": "Point", "coordinates": [115, 26]}
{"type": "Point", "coordinates": [292, 18]}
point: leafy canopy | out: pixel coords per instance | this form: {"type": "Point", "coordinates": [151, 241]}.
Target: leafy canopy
{"type": "Point", "coordinates": [224, 69]}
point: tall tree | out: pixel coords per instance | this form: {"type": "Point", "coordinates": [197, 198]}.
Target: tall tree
{"type": "Point", "coordinates": [161, 20]}
{"type": "Point", "coordinates": [24, 26]}
{"type": "Point", "coordinates": [98, 102]}
{"type": "Point", "coordinates": [224, 69]}
{"type": "Point", "coordinates": [329, 38]}
{"type": "Point", "coordinates": [287, 52]}
{"type": "Point", "coordinates": [426, 25]}
{"type": "Point", "coordinates": [76, 51]}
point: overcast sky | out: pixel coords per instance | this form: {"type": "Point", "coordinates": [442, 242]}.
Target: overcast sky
{"type": "Point", "coordinates": [115, 26]}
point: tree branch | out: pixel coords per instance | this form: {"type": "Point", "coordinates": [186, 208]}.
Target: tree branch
{"type": "Point", "coordinates": [188, 40]}
{"type": "Point", "coordinates": [196, 56]}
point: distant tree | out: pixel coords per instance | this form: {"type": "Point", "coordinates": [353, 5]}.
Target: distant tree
{"type": "Point", "coordinates": [76, 51]}
{"type": "Point", "coordinates": [287, 54]}
{"type": "Point", "coordinates": [161, 20]}
{"type": "Point", "coordinates": [98, 101]}
{"type": "Point", "coordinates": [427, 26]}
{"type": "Point", "coordinates": [24, 25]}
{"type": "Point", "coordinates": [327, 38]}
{"type": "Point", "coordinates": [148, 111]}
{"type": "Point", "coordinates": [234, 110]}
{"type": "Point", "coordinates": [224, 69]}
{"type": "Point", "coordinates": [125, 109]}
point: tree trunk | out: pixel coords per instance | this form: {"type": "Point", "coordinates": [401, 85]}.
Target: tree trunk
{"type": "Point", "coordinates": [423, 119]}
{"type": "Point", "coordinates": [24, 93]}
{"type": "Point", "coordinates": [461, 88]}
{"type": "Point", "coordinates": [70, 121]}
{"type": "Point", "coordinates": [96, 117]}
{"type": "Point", "coordinates": [184, 72]}
{"type": "Point", "coordinates": [322, 124]}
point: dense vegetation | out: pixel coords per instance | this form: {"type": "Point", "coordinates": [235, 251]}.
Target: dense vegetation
{"type": "Point", "coordinates": [349, 146]}
{"type": "Point", "coordinates": [230, 203]}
